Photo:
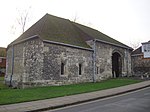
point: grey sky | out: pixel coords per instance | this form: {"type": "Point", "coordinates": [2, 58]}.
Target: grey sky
{"type": "Point", "coordinates": [125, 20]}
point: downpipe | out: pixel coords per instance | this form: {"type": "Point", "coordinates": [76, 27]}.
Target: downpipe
{"type": "Point", "coordinates": [94, 60]}
{"type": "Point", "coordinates": [12, 66]}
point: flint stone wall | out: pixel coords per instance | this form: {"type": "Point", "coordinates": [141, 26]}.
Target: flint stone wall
{"type": "Point", "coordinates": [28, 63]}
{"type": "Point", "coordinates": [140, 66]}
{"type": "Point", "coordinates": [104, 60]}
{"type": "Point", "coordinates": [54, 55]}
{"type": "Point", "coordinates": [15, 67]}
{"type": "Point", "coordinates": [38, 64]}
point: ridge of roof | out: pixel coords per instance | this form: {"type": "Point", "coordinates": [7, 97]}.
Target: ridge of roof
{"type": "Point", "coordinates": [62, 30]}
{"type": "Point", "coordinates": [57, 29]}
{"type": "Point", "coordinates": [95, 34]}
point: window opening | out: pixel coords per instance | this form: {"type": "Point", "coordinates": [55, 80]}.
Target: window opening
{"type": "Point", "coordinates": [80, 69]}
{"type": "Point", "coordinates": [62, 68]}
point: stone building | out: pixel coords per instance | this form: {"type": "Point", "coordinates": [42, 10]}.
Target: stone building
{"type": "Point", "coordinates": [56, 51]}
{"type": "Point", "coordinates": [141, 60]}
{"type": "Point", "coordinates": [2, 61]}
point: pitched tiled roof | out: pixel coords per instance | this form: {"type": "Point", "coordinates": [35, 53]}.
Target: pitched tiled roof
{"type": "Point", "coordinates": [95, 34]}
{"type": "Point", "coordinates": [2, 52]}
{"type": "Point", "coordinates": [57, 29]}
{"type": "Point", "coordinates": [137, 51]}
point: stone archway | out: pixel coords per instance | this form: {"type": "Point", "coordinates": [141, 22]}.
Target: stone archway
{"type": "Point", "coordinates": [116, 64]}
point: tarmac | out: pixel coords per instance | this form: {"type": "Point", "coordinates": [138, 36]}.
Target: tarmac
{"type": "Point", "coordinates": [53, 103]}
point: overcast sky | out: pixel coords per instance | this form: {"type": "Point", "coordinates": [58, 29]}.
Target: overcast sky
{"type": "Point", "coordinates": [125, 20]}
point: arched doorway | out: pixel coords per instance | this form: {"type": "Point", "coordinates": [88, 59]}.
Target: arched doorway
{"type": "Point", "coordinates": [116, 64]}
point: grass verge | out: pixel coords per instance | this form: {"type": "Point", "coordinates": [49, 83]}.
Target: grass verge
{"type": "Point", "coordinates": [9, 96]}
{"type": "Point", "coordinates": [2, 86]}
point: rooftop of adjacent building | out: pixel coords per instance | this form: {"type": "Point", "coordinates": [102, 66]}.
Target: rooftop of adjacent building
{"type": "Point", "coordinates": [2, 52]}
{"type": "Point", "coordinates": [138, 51]}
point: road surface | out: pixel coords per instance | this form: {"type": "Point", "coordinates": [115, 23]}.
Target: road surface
{"type": "Point", "coordinates": [138, 101]}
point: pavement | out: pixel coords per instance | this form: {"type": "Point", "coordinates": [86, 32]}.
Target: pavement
{"type": "Point", "coordinates": [47, 104]}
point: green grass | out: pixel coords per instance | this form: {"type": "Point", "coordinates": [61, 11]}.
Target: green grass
{"type": "Point", "coordinates": [1, 78]}
{"type": "Point", "coordinates": [8, 96]}
{"type": "Point", "coordinates": [2, 86]}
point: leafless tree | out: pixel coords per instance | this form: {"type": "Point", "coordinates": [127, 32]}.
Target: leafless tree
{"type": "Point", "coordinates": [23, 18]}
{"type": "Point", "coordinates": [75, 18]}
{"type": "Point", "coordinates": [135, 44]}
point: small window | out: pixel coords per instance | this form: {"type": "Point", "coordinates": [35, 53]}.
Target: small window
{"type": "Point", "coordinates": [97, 70]}
{"type": "Point", "coordinates": [80, 69]}
{"type": "Point", "coordinates": [62, 68]}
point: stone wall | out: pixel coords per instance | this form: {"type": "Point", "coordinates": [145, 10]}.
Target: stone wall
{"type": "Point", "coordinates": [104, 60]}
{"type": "Point", "coordinates": [140, 66]}
{"type": "Point", "coordinates": [54, 55]}
{"type": "Point", "coordinates": [8, 65]}
{"type": "Point", "coordinates": [33, 63]}
{"type": "Point", "coordinates": [38, 63]}
{"type": "Point", "coordinates": [27, 63]}
{"type": "Point", "coordinates": [17, 63]}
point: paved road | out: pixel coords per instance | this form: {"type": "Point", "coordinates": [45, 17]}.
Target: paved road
{"type": "Point", "coordinates": [138, 101]}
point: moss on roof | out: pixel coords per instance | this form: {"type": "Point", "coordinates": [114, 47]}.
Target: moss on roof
{"type": "Point", "coordinates": [57, 29]}
{"type": "Point", "coordinates": [2, 52]}
{"type": "Point", "coordinates": [95, 34]}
